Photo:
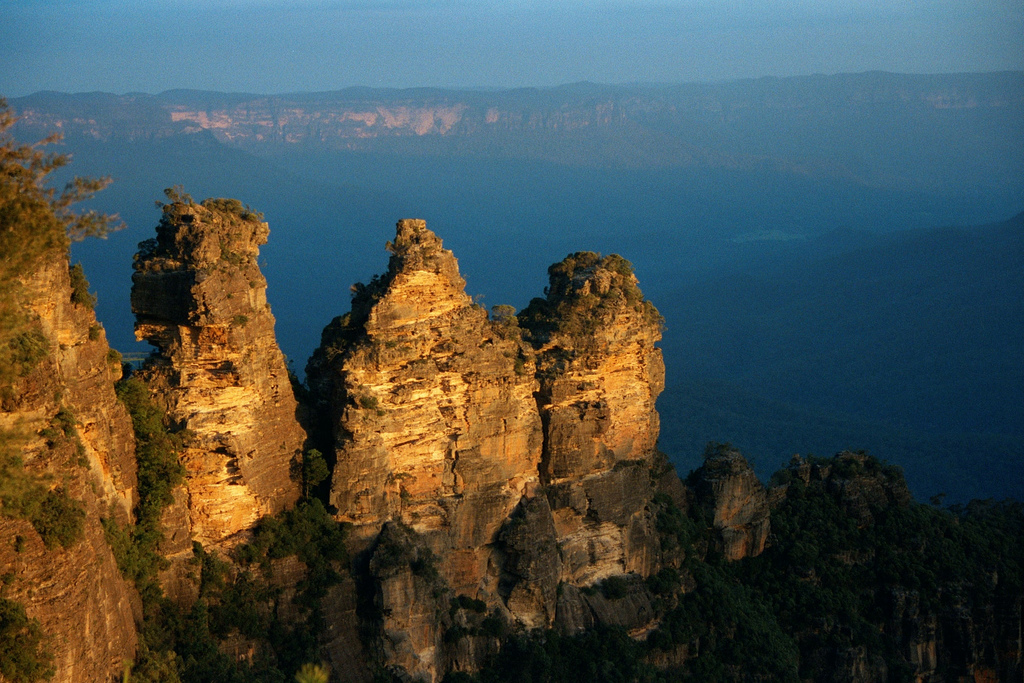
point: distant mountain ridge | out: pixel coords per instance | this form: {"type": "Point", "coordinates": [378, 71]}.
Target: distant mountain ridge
{"type": "Point", "coordinates": [869, 127]}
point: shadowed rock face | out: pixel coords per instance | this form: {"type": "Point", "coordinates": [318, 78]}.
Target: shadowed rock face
{"type": "Point", "coordinates": [735, 501]}
{"type": "Point", "coordinates": [77, 594]}
{"type": "Point", "coordinates": [199, 297]}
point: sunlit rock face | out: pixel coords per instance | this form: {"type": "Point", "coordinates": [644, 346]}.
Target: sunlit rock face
{"type": "Point", "coordinates": [433, 409]}
{"type": "Point", "coordinates": [600, 374]}
{"type": "Point", "coordinates": [62, 419]}
{"type": "Point", "coordinates": [199, 297]}
{"type": "Point", "coordinates": [517, 452]}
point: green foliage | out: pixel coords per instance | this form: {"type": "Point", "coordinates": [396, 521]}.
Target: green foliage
{"type": "Point", "coordinates": [734, 627]}
{"type": "Point", "coordinates": [240, 320]}
{"type": "Point", "coordinates": [238, 598]}
{"type": "Point", "coordinates": [176, 194]}
{"type": "Point", "coordinates": [505, 315]}
{"type": "Point", "coordinates": [307, 531]}
{"type": "Point", "coordinates": [23, 351]}
{"type": "Point", "coordinates": [80, 294]}
{"type": "Point", "coordinates": [24, 657]}
{"type": "Point", "coordinates": [34, 221]}
{"type": "Point", "coordinates": [314, 471]}
{"type": "Point", "coordinates": [58, 518]}
{"type": "Point", "coordinates": [829, 578]}
{"type": "Point", "coordinates": [156, 452]}
{"type": "Point", "coordinates": [230, 206]}
{"type": "Point", "coordinates": [675, 528]}
{"type": "Point", "coordinates": [312, 673]}
{"type": "Point", "coordinates": [584, 291]}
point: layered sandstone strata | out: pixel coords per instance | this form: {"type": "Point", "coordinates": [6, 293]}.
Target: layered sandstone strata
{"type": "Point", "coordinates": [600, 374]}
{"type": "Point", "coordinates": [61, 418]}
{"type": "Point", "coordinates": [199, 297]}
{"type": "Point", "coordinates": [433, 410]}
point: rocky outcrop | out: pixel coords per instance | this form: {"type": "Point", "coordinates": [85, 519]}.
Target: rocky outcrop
{"type": "Point", "coordinates": [861, 486]}
{"type": "Point", "coordinates": [433, 412]}
{"type": "Point", "coordinates": [735, 502]}
{"type": "Point", "coordinates": [62, 420]}
{"type": "Point", "coordinates": [199, 297]}
{"type": "Point", "coordinates": [600, 374]}
{"type": "Point", "coordinates": [532, 565]}
{"type": "Point", "coordinates": [445, 424]}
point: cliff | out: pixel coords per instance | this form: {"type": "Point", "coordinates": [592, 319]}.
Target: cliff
{"type": "Point", "coordinates": [735, 502]}
{"type": "Point", "coordinates": [67, 459]}
{"type": "Point", "coordinates": [506, 506]}
{"type": "Point", "coordinates": [446, 423]}
{"type": "Point", "coordinates": [200, 299]}
{"type": "Point", "coordinates": [600, 374]}
{"type": "Point", "coordinates": [435, 420]}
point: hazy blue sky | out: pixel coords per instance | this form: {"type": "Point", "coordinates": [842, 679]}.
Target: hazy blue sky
{"type": "Point", "coordinates": [273, 46]}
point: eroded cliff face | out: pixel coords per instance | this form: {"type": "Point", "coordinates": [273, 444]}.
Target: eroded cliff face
{"type": "Point", "coordinates": [735, 501]}
{"type": "Point", "coordinates": [199, 297]}
{"type": "Point", "coordinates": [76, 442]}
{"type": "Point", "coordinates": [433, 410]}
{"type": "Point", "coordinates": [600, 374]}
{"type": "Point", "coordinates": [446, 423]}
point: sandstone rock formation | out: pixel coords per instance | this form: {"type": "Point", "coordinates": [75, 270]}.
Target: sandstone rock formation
{"type": "Point", "coordinates": [200, 298]}
{"type": "Point", "coordinates": [445, 423]}
{"type": "Point", "coordinates": [62, 419]}
{"type": "Point", "coordinates": [735, 501]}
{"type": "Point", "coordinates": [434, 416]}
{"type": "Point", "coordinates": [600, 374]}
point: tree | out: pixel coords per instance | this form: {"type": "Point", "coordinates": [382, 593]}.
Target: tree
{"type": "Point", "coordinates": [34, 221]}
{"type": "Point", "coordinates": [312, 673]}
{"type": "Point", "coordinates": [33, 217]}
{"type": "Point", "coordinates": [314, 471]}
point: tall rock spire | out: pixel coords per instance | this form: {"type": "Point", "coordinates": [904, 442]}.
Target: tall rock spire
{"type": "Point", "coordinates": [600, 374]}
{"type": "Point", "coordinates": [199, 297]}
{"type": "Point", "coordinates": [434, 414]}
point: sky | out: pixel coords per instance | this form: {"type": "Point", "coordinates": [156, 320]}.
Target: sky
{"type": "Point", "coordinates": [278, 46]}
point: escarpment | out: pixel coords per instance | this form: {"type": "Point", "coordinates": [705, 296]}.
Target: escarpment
{"type": "Point", "coordinates": [505, 505]}
{"type": "Point", "coordinates": [199, 297]}
{"type": "Point", "coordinates": [66, 461]}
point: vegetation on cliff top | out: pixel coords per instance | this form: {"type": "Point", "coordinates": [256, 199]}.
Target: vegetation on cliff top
{"type": "Point", "coordinates": [830, 585]}
{"type": "Point", "coordinates": [584, 291]}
